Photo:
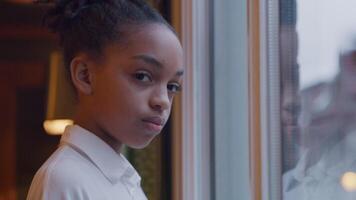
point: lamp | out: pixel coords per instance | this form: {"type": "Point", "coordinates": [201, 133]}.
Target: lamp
{"type": "Point", "coordinates": [61, 97]}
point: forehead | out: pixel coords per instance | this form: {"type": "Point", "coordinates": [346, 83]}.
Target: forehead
{"type": "Point", "coordinates": [154, 39]}
{"type": "Point", "coordinates": [150, 37]}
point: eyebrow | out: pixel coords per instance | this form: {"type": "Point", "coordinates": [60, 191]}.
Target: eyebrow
{"type": "Point", "coordinates": [153, 61]}
{"type": "Point", "coordinates": [149, 59]}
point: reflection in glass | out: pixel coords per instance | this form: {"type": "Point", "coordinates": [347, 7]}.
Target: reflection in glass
{"type": "Point", "coordinates": [318, 105]}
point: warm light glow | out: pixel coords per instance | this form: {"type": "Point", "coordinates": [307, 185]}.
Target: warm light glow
{"type": "Point", "coordinates": [57, 126]}
{"type": "Point", "coordinates": [348, 181]}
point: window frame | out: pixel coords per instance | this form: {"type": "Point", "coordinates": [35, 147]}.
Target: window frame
{"type": "Point", "coordinates": [271, 143]}
{"type": "Point", "coordinates": [200, 133]}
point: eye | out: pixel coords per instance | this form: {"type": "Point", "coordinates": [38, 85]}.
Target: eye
{"type": "Point", "coordinates": [174, 87]}
{"type": "Point", "coordinates": [143, 76]}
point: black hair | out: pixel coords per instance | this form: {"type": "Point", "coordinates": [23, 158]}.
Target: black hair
{"type": "Point", "coordinates": [89, 25]}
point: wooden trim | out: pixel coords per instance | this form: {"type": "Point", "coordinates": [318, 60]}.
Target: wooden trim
{"type": "Point", "coordinates": [23, 74]}
{"type": "Point", "coordinates": [12, 76]}
{"type": "Point", "coordinates": [25, 32]}
{"type": "Point", "coordinates": [176, 16]}
{"type": "Point", "coordinates": [192, 159]}
{"type": "Point", "coordinates": [8, 143]}
{"type": "Point", "coordinates": [254, 96]}
{"type": "Point", "coordinates": [177, 171]}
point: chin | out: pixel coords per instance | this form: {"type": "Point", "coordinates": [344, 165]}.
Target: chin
{"type": "Point", "coordinates": [140, 144]}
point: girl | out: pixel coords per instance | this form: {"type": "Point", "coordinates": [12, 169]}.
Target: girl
{"type": "Point", "coordinates": [125, 63]}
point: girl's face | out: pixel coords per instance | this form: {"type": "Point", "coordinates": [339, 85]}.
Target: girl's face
{"type": "Point", "coordinates": [134, 85]}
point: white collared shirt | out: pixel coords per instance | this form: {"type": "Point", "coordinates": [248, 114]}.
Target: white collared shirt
{"type": "Point", "coordinates": [85, 168]}
{"type": "Point", "coordinates": [323, 180]}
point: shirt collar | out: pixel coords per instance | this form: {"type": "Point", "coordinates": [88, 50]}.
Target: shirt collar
{"type": "Point", "coordinates": [114, 166]}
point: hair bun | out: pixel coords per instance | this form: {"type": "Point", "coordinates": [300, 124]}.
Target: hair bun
{"type": "Point", "coordinates": [64, 12]}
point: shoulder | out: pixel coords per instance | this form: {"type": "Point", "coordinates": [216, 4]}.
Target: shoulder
{"type": "Point", "coordinates": [62, 176]}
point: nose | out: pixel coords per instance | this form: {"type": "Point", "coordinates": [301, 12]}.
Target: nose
{"type": "Point", "coordinates": [159, 100]}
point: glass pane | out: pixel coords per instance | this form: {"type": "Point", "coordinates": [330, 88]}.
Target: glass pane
{"type": "Point", "coordinates": [318, 105]}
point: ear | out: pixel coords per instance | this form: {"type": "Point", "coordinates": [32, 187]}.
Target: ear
{"type": "Point", "coordinates": [81, 75]}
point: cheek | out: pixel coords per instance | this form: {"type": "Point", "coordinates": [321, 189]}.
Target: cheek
{"type": "Point", "coordinates": [107, 98]}
{"type": "Point", "coordinates": [120, 100]}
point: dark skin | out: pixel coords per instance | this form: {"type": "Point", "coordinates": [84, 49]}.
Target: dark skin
{"type": "Point", "coordinates": [125, 97]}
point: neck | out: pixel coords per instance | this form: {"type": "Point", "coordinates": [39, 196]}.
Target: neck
{"type": "Point", "coordinates": [89, 123]}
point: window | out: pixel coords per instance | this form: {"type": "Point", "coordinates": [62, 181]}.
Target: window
{"type": "Point", "coordinates": [214, 111]}
{"type": "Point", "coordinates": [317, 52]}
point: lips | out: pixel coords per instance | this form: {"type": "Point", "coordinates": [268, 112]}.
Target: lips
{"type": "Point", "coordinates": [155, 120]}
{"type": "Point", "coordinates": [154, 123]}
